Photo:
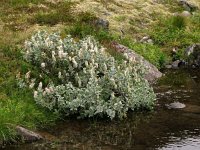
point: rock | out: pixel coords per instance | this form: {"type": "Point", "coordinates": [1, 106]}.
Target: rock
{"type": "Point", "coordinates": [150, 41]}
{"type": "Point", "coordinates": [175, 105]}
{"type": "Point", "coordinates": [188, 6]}
{"type": "Point", "coordinates": [102, 23]}
{"type": "Point", "coordinates": [146, 39]}
{"type": "Point", "coordinates": [168, 66]}
{"type": "Point", "coordinates": [185, 14]}
{"type": "Point", "coordinates": [152, 72]}
{"type": "Point", "coordinates": [176, 64]}
{"type": "Point", "coordinates": [27, 135]}
{"type": "Point", "coordinates": [192, 53]}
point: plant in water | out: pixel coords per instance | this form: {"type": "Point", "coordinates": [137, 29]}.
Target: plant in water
{"type": "Point", "coordinates": [81, 78]}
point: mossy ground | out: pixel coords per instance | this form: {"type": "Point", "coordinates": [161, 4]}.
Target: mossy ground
{"type": "Point", "coordinates": [19, 19]}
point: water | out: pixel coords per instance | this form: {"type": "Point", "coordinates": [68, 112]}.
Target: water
{"type": "Point", "coordinates": [162, 129]}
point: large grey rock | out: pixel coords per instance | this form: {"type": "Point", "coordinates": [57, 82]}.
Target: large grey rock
{"type": "Point", "coordinates": [27, 135]}
{"type": "Point", "coordinates": [192, 53]}
{"type": "Point", "coordinates": [152, 72]}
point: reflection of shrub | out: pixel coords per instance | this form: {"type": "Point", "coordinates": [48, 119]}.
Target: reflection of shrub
{"type": "Point", "coordinates": [83, 79]}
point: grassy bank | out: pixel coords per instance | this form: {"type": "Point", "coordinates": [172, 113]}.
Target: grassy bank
{"type": "Point", "coordinates": [17, 106]}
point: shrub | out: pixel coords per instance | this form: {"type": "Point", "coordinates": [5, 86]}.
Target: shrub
{"type": "Point", "coordinates": [82, 79]}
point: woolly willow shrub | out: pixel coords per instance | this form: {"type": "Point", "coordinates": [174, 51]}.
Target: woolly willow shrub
{"type": "Point", "coordinates": [84, 79]}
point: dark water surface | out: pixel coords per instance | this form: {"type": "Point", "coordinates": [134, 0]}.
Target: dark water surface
{"type": "Point", "coordinates": [162, 129]}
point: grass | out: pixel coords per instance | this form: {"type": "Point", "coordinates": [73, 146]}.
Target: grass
{"type": "Point", "coordinates": [20, 3]}
{"type": "Point", "coordinates": [17, 106]}
{"type": "Point", "coordinates": [176, 32]}
{"type": "Point", "coordinates": [59, 13]}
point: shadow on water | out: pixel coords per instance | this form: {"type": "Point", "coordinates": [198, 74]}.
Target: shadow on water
{"type": "Point", "coordinates": [162, 129]}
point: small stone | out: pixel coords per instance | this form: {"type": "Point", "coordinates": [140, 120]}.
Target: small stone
{"type": "Point", "coordinates": [185, 14]}
{"type": "Point", "coordinates": [168, 66]}
{"type": "Point", "coordinates": [176, 64]}
{"type": "Point", "coordinates": [146, 39]}
{"type": "Point", "coordinates": [175, 105]}
{"type": "Point", "coordinates": [150, 41]}
{"type": "Point", "coordinates": [27, 135]}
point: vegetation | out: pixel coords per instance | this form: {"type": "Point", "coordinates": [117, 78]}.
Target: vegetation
{"type": "Point", "coordinates": [176, 32]}
{"type": "Point", "coordinates": [17, 106]}
{"type": "Point", "coordinates": [151, 52]}
{"type": "Point", "coordinates": [19, 19]}
{"type": "Point", "coordinates": [60, 13]}
{"type": "Point", "coordinates": [83, 79]}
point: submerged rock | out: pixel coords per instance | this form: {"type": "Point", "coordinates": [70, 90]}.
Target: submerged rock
{"type": "Point", "coordinates": [175, 105]}
{"type": "Point", "coordinates": [27, 135]}
{"type": "Point", "coordinates": [152, 72]}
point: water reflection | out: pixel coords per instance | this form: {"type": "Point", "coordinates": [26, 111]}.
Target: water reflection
{"type": "Point", "coordinates": [189, 143]}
